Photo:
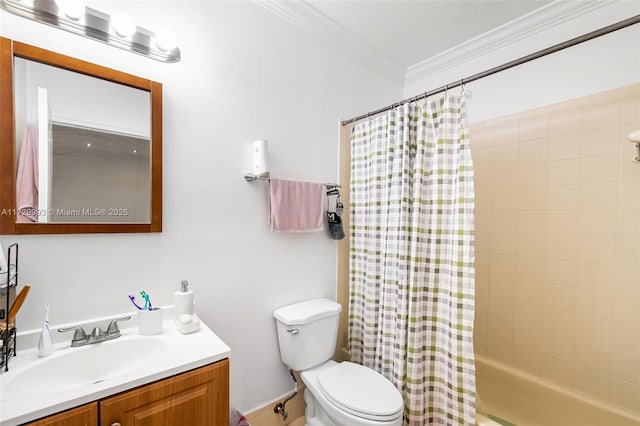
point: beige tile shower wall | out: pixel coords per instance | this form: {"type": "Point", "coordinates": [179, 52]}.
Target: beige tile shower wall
{"type": "Point", "coordinates": [558, 244]}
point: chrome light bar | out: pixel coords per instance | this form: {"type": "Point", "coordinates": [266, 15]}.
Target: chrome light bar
{"type": "Point", "coordinates": [95, 25]}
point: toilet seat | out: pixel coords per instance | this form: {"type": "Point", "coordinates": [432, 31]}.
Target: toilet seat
{"type": "Point", "coordinates": [360, 391]}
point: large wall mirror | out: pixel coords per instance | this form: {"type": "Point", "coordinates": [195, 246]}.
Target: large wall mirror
{"type": "Point", "coordinates": [80, 147]}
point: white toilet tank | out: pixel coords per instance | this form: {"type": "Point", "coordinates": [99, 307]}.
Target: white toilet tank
{"type": "Point", "coordinates": [307, 332]}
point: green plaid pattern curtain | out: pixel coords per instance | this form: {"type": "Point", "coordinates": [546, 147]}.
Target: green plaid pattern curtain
{"type": "Point", "coordinates": [412, 271]}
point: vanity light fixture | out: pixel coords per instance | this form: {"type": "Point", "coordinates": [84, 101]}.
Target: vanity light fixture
{"type": "Point", "coordinates": [72, 9]}
{"type": "Point", "coordinates": [123, 24]}
{"type": "Point", "coordinates": [118, 30]}
{"type": "Point", "coordinates": [165, 40]}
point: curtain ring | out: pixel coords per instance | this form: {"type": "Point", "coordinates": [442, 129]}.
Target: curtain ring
{"type": "Point", "coordinates": [426, 98]}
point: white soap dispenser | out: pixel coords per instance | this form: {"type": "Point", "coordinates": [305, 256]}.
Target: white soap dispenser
{"type": "Point", "coordinates": [45, 346]}
{"type": "Point", "coordinates": [186, 320]}
{"type": "Point", "coordinates": [183, 300]}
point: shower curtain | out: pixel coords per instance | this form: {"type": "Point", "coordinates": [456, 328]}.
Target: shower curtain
{"type": "Point", "coordinates": [411, 296]}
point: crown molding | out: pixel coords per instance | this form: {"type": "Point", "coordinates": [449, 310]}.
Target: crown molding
{"type": "Point", "coordinates": [308, 19]}
{"type": "Point", "coordinates": [537, 21]}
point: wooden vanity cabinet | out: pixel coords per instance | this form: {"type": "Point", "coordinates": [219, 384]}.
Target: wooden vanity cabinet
{"type": "Point", "coordinates": [196, 398]}
{"type": "Point", "coordinates": [85, 415]}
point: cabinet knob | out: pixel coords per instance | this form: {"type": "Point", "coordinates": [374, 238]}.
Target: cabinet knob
{"type": "Point", "coordinates": [116, 424]}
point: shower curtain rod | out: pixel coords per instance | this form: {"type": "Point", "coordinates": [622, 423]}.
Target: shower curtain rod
{"type": "Point", "coordinates": [539, 54]}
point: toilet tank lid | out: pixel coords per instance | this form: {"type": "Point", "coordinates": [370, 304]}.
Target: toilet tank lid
{"type": "Point", "coordinates": [307, 311]}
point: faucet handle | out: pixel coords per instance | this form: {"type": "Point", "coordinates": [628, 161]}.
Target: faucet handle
{"type": "Point", "coordinates": [97, 333]}
{"type": "Point", "coordinates": [112, 329]}
{"type": "Point", "coordinates": [78, 336]}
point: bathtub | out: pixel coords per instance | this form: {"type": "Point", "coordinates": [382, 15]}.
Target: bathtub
{"type": "Point", "coordinates": [526, 400]}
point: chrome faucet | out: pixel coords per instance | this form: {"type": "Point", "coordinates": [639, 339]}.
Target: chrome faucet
{"type": "Point", "coordinates": [80, 337]}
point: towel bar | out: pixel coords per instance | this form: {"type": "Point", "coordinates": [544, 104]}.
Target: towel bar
{"type": "Point", "coordinates": [251, 177]}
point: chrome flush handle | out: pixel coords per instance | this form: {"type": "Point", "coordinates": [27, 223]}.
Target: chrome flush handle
{"type": "Point", "coordinates": [293, 331]}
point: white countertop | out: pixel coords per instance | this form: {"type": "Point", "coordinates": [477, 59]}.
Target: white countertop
{"type": "Point", "coordinates": [184, 352]}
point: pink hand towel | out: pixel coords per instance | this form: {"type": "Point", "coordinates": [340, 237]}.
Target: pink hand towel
{"type": "Point", "coordinates": [295, 206]}
{"type": "Point", "coordinates": [27, 180]}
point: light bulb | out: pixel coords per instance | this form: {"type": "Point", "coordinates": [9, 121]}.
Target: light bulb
{"type": "Point", "coordinates": [123, 24]}
{"type": "Point", "coordinates": [165, 40]}
{"type": "Point", "coordinates": [73, 9]}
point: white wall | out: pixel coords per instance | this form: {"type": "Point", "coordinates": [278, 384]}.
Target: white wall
{"type": "Point", "coordinates": [601, 64]}
{"type": "Point", "coordinates": [245, 75]}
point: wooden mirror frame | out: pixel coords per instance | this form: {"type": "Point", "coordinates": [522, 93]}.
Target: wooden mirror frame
{"type": "Point", "coordinates": [8, 225]}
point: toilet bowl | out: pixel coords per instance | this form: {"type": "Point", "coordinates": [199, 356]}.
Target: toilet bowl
{"type": "Point", "coordinates": [349, 394]}
{"type": "Point", "coordinates": [337, 394]}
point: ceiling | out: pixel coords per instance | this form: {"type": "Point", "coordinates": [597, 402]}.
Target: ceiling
{"type": "Point", "coordinates": [409, 32]}
{"type": "Point", "coordinates": [403, 38]}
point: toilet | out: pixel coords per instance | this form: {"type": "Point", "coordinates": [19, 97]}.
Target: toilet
{"type": "Point", "coordinates": [337, 394]}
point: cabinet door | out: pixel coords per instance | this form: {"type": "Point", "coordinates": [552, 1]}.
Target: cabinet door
{"type": "Point", "coordinates": [85, 415]}
{"type": "Point", "coordinates": [197, 398]}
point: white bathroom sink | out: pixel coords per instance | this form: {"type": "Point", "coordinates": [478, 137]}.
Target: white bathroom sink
{"type": "Point", "coordinates": [88, 365]}
{"type": "Point", "coordinates": [70, 377]}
